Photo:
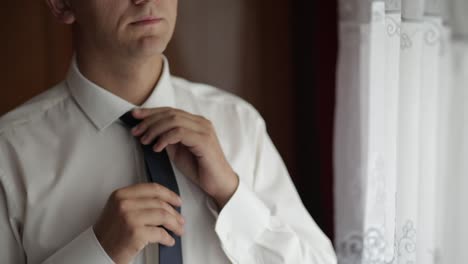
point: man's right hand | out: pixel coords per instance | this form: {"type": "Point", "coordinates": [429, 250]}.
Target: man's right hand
{"type": "Point", "coordinates": [133, 217]}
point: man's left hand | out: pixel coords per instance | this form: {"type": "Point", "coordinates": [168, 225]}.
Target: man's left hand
{"type": "Point", "coordinates": [192, 144]}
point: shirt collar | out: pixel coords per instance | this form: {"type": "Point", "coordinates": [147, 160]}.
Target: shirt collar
{"type": "Point", "coordinates": [103, 107]}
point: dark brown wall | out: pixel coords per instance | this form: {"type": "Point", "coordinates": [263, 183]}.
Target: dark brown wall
{"type": "Point", "coordinates": [314, 61]}
{"type": "Point", "coordinates": [35, 51]}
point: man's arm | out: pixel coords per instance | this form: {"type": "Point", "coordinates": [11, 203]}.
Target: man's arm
{"type": "Point", "coordinates": [86, 247]}
{"type": "Point", "coordinates": [11, 250]}
{"type": "Point", "coordinates": [267, 222]}
{"type": "Point", "coordinates": [130, 220]}
{"type": "Point", "coordinates": [83, 249]}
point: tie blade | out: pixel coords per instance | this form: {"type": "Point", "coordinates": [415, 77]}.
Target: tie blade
{"type": "Point", "coordinates": [159, 168]}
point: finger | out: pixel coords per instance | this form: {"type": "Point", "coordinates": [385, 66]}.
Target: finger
{"type": "Point", "coordinates": [160, 113]}
{"type": "Point", "coordinates": [150, 119]}
{"type": "Point", "coordinates": [147, 190]}
{"type": "Point", "coordinates": [166, 124]}
{"type": "Point", "coordinates": [141, 113]}
{"type": "Point", "coordinates": [151, 203]}
{"type": "Point", "coordinates": [188, 138]}
{"type": "Point", "coordinates": [154, 234]}
{"type": "Point", "coordinates": [159, 217]}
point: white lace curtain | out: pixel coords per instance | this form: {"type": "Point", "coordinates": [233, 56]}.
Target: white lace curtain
{"type": "Point", "coordinates": [401, 132]}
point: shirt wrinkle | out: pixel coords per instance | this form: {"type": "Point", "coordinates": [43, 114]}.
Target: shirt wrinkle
{"type": "Point", "coordinates": [9, 121]}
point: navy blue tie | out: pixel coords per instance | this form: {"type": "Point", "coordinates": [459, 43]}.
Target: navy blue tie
{"type": "Point", "coordinates": [159, 170]}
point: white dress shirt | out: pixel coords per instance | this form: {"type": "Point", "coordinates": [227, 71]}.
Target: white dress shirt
{"type": "Point", "coordinates": [65, 151]}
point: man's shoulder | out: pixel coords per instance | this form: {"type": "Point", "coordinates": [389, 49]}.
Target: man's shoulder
{"type": "Point", "coordinates": [33, 107]}
{"type": "Point", "coordinates": [213, 97]}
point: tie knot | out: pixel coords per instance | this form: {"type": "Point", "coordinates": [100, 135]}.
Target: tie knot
{"type": "Point", "coordinates": [129, 120]}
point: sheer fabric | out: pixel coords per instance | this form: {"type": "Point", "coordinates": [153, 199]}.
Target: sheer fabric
{"type": "Point", "coordinates": [401, 132]}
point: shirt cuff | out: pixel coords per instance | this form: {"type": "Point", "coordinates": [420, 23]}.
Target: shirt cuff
{"type": "Point", "coordinates": [237, 234]}
{"type": "Point", "coordinates": [83, 249]}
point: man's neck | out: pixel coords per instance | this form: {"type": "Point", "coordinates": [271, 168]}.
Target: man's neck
{"type": "Point", "coordinates": [131, 80]}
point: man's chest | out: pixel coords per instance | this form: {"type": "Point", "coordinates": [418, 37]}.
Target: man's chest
{"type": "Point", "coordinates": [65, 193]}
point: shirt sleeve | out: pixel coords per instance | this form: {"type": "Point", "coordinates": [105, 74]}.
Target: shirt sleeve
{"type": "Point", "coordinates": [267, 222]}
{"type": "Point", "coordinates": [11, 250]}
{"type": "Point", "coordinates": [85, 248]}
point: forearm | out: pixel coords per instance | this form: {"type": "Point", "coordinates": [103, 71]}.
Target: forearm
{"type": "Point", "coordinates": [251, 233]}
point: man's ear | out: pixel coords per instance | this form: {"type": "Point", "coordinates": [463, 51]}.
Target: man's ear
{"type": "Point", "coordinates": [62, 10]}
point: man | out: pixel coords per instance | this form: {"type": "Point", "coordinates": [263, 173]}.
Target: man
{"type": "Point", "coordinates": [73, 175]}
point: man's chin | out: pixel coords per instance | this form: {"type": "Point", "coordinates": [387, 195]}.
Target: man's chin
{"type": "Point", "coordinates": [148, 47]}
